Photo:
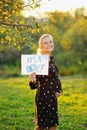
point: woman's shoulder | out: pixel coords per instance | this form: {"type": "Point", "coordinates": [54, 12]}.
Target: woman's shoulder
{"type": "Point", "coordinates": [52, 57]}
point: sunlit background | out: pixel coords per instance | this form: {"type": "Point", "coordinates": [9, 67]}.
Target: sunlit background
{"type": "Point", "coordinates": [20, 35]}
{"type": "Point", "coordinates": [52, 5]}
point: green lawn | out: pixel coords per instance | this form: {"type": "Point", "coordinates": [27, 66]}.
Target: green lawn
{"type": "Point", "coordinates": [17, 104]}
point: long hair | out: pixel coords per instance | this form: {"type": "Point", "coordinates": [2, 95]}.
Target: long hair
{"type": "Point", "coordinates": [40, 50]}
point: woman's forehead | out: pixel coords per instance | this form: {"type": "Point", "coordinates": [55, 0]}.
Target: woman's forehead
{"type": "Point", "coordinates": [47, 38]}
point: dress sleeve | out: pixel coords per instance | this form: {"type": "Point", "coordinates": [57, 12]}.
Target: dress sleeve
{"type": "Point", "coordinates": [59, 88]}
{"type": "Point", "coordinates": [35, 85]}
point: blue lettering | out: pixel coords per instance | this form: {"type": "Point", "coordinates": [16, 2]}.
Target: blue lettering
{"type": "Point", "coordinates": [40, 67]}
{"type": "Point", "coordinates": [34, 59]}
{"type": "Point", "coordinates": [39, 59]}
{"type": "Point", "coordinates": [31, 68]}
{"type": "Point", "coordinates": [29, 60]}
{"type": "Point", "coordinates": [34, 67]}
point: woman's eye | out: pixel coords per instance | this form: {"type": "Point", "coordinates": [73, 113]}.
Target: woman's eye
{"type": "Point", "coordinates": [45, 43]}
{"type": "Point", "coordinates": [50, 41]}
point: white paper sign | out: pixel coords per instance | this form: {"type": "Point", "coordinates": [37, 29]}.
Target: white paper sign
{"type": "Point", "coordinates": [34, 63]}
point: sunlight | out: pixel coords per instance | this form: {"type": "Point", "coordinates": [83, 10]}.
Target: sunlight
{"type": "Point", "coordinates": [60, 5]}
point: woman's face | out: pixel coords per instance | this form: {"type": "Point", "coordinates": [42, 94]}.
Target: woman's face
{"type": "Point", "coordinates": [47, 44]}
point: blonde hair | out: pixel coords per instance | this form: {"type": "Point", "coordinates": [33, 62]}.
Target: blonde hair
{"type": "Point", "coordinates": [40, 50]}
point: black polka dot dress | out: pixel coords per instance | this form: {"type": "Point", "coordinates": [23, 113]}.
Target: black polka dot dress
{"type": "Point", "coordinates": [46, 110]}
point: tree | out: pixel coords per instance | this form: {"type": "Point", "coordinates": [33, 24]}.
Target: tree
{"type": "Point", "coordinates": [80, 13]}
{"type": "Point", "coordinates": [75, 41]}
{"type": "Point", "coordinates": [14, 28]}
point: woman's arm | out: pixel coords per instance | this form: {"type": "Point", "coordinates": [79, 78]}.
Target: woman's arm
{"type": "Point", "coordinates": [59, 88]}
{"type": "Point", "coordinates": [34, 81]}
{"type": "Point", "coordinates": [59, 91]}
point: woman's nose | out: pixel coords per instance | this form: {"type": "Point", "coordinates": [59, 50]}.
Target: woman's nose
{"type": "Point", "coordinates": [48, 43]}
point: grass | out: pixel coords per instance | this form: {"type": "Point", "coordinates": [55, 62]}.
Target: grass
{"type": "Point", "coordinates": [17, 104]}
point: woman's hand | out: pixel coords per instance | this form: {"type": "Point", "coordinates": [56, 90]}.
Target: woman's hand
{"type": "Point", "coordinates": [33, 76]}
{"type": "Point", "coordinates": [57, 94]}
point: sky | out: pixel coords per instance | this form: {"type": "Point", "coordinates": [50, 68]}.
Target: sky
{"type": "Point", "coordinates": [59, 5]}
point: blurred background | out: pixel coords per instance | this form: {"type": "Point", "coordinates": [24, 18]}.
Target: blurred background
{"type": "Point", "coordinates": [21, 24]}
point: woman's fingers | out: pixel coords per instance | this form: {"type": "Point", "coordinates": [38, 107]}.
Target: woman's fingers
{"type": "Point", "coordinates": [57, 94]}
{"type": "Point", "coordinates": [33, 76]}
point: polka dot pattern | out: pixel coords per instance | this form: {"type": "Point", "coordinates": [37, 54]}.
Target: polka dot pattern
{"type": "Point", "coordinates": [46, 102]}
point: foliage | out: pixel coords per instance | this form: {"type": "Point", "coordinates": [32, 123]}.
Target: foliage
{"type": "Point", "coordinates": [15, 29]}
{"type": "Point", "coordinates": [17, 104]}
{"type": "Point", "coordinates": [69, 33]}
{"type": "Point", "coordinates": [9, 9]}
{"type": "Point", "coordinates": [75, 41]}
